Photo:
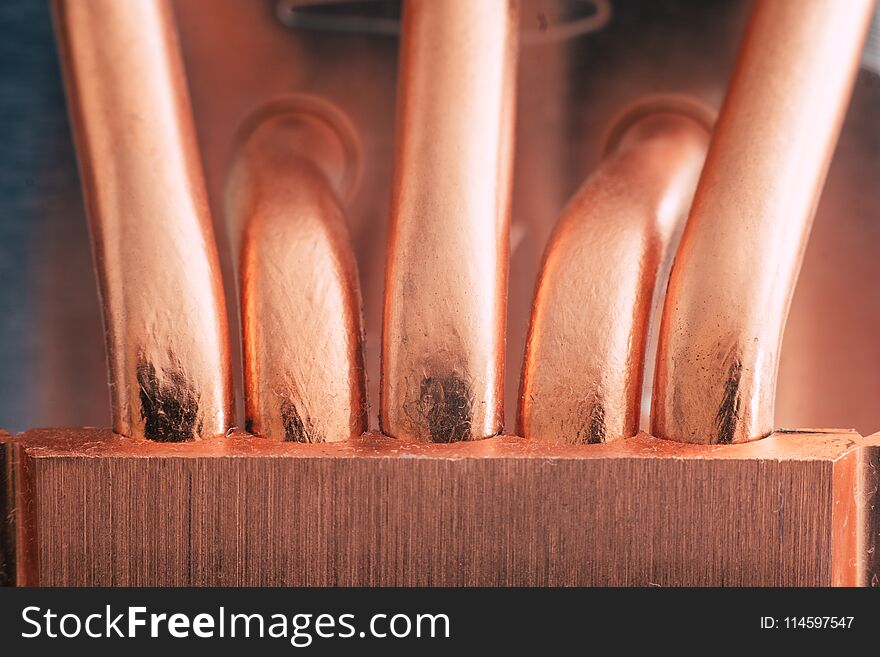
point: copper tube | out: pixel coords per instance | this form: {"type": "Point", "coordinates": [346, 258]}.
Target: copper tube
{"type": "Point", "coordinates": [446, 274]}
{"type": "Point", "coordinates": [158, 270]}
{"type": "Point", "coordinates": [584, 358]}
{"type": "Point", "coordinates": [740, 254]}
{"type": "Point", "coordinates": [300, 298]}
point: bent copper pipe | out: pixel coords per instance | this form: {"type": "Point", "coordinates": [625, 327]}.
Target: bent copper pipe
{"type": "Point", "coordinates": [584, 360]}
{"type": "Point", "coordinates": [446, 274]}
{"type": "Point", "coordinates": [300, 298]}
{"type": "Point", "coordinates": [740, 254]}
{"type": "Point", "coordinates": [153, 243]}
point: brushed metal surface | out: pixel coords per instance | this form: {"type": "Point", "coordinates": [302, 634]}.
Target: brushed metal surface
{"type": "Point", "coordinates": [7, 513]}
{"type": "Point", "coordinates": [868, 513]}
{"type": "Point", "coordinates": [503, 511]}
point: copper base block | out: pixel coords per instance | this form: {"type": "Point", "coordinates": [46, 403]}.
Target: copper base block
{"type": "Point", "coordinates": [7, 535]}
{"type": "Point", "coordinates": [92, 508]}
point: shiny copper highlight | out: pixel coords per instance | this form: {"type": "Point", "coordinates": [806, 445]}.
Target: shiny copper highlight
{"type": "Point", "coordinates": [446, 274]}
{"type": "Point", "coordinates": [740, 254]}
{"type": "Point", "coordinates": [584, 359]}
{"type": "Point", "coordinates": [300, 298]}
{"type": "Point", "coordinates": [158, 271]}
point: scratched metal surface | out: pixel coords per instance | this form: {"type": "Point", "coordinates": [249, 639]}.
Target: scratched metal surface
{"type": "Point", "coordinates": [502, 512]}
{"type": "Point", "coordinates": [52, 369]}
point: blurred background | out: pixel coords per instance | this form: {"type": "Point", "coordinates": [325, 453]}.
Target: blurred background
{"type": "Point", "coordinates": [581, 63]}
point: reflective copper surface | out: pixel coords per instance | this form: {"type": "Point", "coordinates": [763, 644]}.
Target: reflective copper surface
{"type": "Point", "coordinates": [584, 359]}
{"type": "Point", "coordinates": [733, 278]}
{"type": "Point", "coordinates": [376, 511]}
{"type": "Point", "coordinates": [164, 313]}
{"type": "Point", "coordinates": [446, 274]}
{"type": "Point", "coordinates": [568, 92]}
{"type": "Point", "coordinates": [300, 298]}
{"type": "Point", "coordinates": [86, 506]}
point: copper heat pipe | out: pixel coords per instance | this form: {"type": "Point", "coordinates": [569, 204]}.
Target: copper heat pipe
{"type": "Point", "coordinates": [300, 298]}
{"type": "Point", "coordinates": [446, 275]}
{"type": "Point", "coordinates": [740, 254]}
{"type": "Point", "coordinates": [584, 360]}
{"type": "Point", "coordinates": [157, 262]}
